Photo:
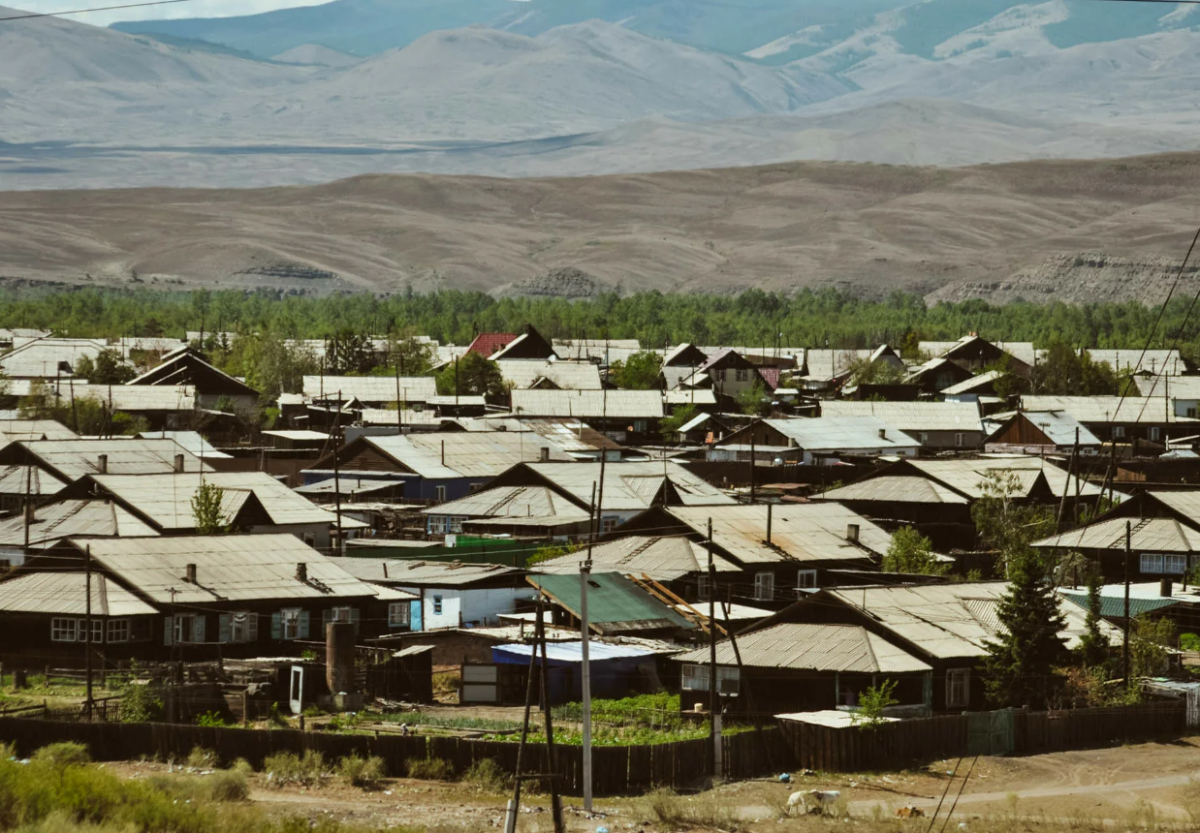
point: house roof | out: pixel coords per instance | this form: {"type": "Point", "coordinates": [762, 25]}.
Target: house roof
{"type": "Point", "coordinates": [659, 557]}
{"type": "Point", "coordinates": [20, 480]}
{"type": "Point", "coordinates": [973, 384]}
{"type": "Point", "coordinates": [615, 603]}
{"type": "Point", "coordinates": [1107, 409]}
{"type": "Point", "coordinates": [1186, 503]}
{"type": "Point", "coordinates": [800, 532]}
{"type": "Point", "coordinates": [487, 344]}
{"type": "Point", "coordinates": [184, 365]}
{"type": "Point", "coordinates": [166, 499]}
{"type": "Point", "coordinates": [523, 373]}
{"type": "Point", "coordinates": [168, 398]}
{"type": "Point", "coordinates": [845, 433]}
{"type": "Point", "coordinates": [910, 417]}
{"type": "Point", "coordinates": [706, 397]}
{"type": "Point", "coordinates": [630, 486]}
{"type": "Point", "coordinates": [1157, 362]}
{"type": "Point", "coordinates": [370, 388]}
{"type": "Point", "coordinates": [1162, 387]}
{"type": "Point", "coordinates": [228, 568]}
{"type": "Point", "coordinates": [573, 651]}
{"type": "Point", "coordinates": [413, 573]}
{"type": "Point", "coordinates": [589, 404]}
{"type": "Point", "coordinates": [384, 416]}
{"type": "Point", "coordinates": [15, 430]}
{"type": "Point", "coordinates": [67, 518]}
{"type": "Point", "coordinates": [900, 489]}
{"type": "Point", "coordinates": [1058, 426]}
{"type": "Point", "coordinates": [811, 647]}
{"type": "Point", "coordinates": [512, 502]}
{"type": "Point", "coordinates": [66, 593]}
{"type": "Point", "coordinates": [41, 358]}
{"type": "Point", "coordinates": [464, 454]}
{"type": "Point", "coordinates": [947, 621]}
{"type": "Point", "coordinates": [191, 441]}
{"type": "Point", "coordinates": [1146, 534]}
{"type": "Point", "coordinates": [825, 364]}
{"type": "Point", "coordinates": [73, 459]}
{"type": "Point", "coordinates": [966, 476]}
{"type": "Point", "coordinates": [1113, 607]}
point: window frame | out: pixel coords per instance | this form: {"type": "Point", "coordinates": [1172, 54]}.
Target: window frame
{"type": "Point", "coordinates": [1147, 561]}
{"type": "Point", "coordinates": [113, 629]}
{"type": "Point", "coordinates": [439, 493]}
{"type": "Point", "coordinates": [60, 625]}
{"type": "Point", "coordinates": [1178, 567]}
{"type": "Point", "coordinates": [802, 575]}
{"type": "Point", "coordinates": [249, 626]}
{"type": "Point", "coordinates": [764, 586]}
{"type": "Point", "coordinates": [956, 679]}
{"type": "Point", "coordinates": [703, 588]}
{"type": "Point", "coordinates": [401, 621]}
{"type": "Point", "coordinates": [438, 605]}
{"type": "Point", "coordinates": [289, 616]}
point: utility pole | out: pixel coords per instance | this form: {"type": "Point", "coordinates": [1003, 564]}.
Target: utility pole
{"type": "Point", "coordinates": [714, 697]}
{"type": "Point", "coordinates": [552, 775]}
{"type": "Point", "coordinates": [337, 481]}
{"type": "Point", "coordinates": [399, 405]}
{"type": "Point", "coordinates": [585, 575]}
{"type": "Point", "coordinates": [1125, 647]}
{"type": "Point", "coordinates": [753, 490]}
{"type": "Point", "coordinates": [87, 572]}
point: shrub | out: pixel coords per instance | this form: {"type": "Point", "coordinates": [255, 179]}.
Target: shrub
{"type": "Point", "coordinates": [486, 775]}
{"type": "Point", "coordinates": [361, 772]}
{"type": "Point", "coordinates": [139, 705]}
{"type": "Point", "coordinates": [201, 758]}
{"type": "Point", "coordinates": [227, 786]}
{"type": "Point", "coordinates": [430, 769]}
{"type": "Point", "coordinates": [688, 812]}
{"type": "Point", "coordinates": [289, 768]}
{"type": "Point", "coordinates": [1189, 642]}
{"type": "Point", "coordinates": [211, 719]}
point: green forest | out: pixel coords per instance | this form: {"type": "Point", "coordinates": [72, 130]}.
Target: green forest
{"type": "Point", "coordinates": [824, 318]}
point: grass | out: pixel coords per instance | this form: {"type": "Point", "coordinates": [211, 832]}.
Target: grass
{"type": "Point", "coordinates": [431, 769]}
{"type": "Point", "coordinates": [689, 812]}
{"type": "Point", "coordinates": [480, 724]}
{"type": "Point", "coordinates": [485, 775]}
{"type": "Point", "coordinates": [361, 772]}
{"type": "Point", "coordinates": [286, 768]}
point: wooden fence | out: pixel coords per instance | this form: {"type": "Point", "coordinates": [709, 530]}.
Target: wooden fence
{"type": "Point", "coordinates": [907, 742]}
{"type": "Point", "coordinates": [617, 770]}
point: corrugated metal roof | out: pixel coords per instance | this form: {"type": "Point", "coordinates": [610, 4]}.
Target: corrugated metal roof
{"type": "Point", "coordinates": [573, 651]}
{"type": "Point", "coordinates": [512, 502]}
{"type": "Point", "coordinates": [314, 436]}
{"type": "Point", "coordinates": [614, 602]}
{"type": "Point", "coordinates": [66, 518]}
{"type": "Point", "coordinates": [66, 593]}
{"type": "Point", "coordinates": [465, 454]}
{"type": "Point", "coordinates": [1158, 362]}
{"type": "Point", "coordinates": [1174, 387]}
{"type": "Point", "coordinates": [385, 416]}
{"type": "Point", "coordinates": [1146, 535]}
{"type": "Point", "coordinates": [1059, 427]}
{"type": "Point", "coordinates": [41, 358]}
{"type": "Point", "coordinates": [844, 433]}
{"type": "Point", "coordinates": [1107, 409]}
{"type": "Point", "coordinates": [900, 489]}
{"type": "Point", "coordinates": [910, 417]}
{"type": "Point", "coordinates": [73, 459]}
{"type": "Point", "coordinates": [19, 480]}
{"type": "Point", "coordinates": [690, 397]}
{"type": "Point", "coordinates": [823, 364]}
{"type": "Point", "coordinates": [228, 568]}
{"type": "Point", "coordinates": [170, 398]}
{"type": "Point", "coordinates": [811, 647]}
{"type": "Point", "coordinates": [800, 532]}
{"type": "Point", "coordinates": [1186, 503]}
{"type": "Point", "coordinates": [1113, 607]}
{"type": "Point", "coordinates": [948, 621]}
{"type": "Point", "coordinates": [970, 385]}
{"type": "Point", "coordinates": [589, 404]}
{"type": "Point", "coordinates": [967, 476]}
{"type": "Point", "coordinates": [167, 498]}
{"type": "Point", "coordinates": [192, 441]}
{"type": "Point", "coordinates": [370, 388]}
{"type": "Point", "coordinates": [627, 485]}
{"type": "Point", "coordinates": [35, 429]}
{"type": "Point", "coordinates": [661, 558]}
{"type": "Point", "coordinates": [412, 573]}
{"type": "Point", "coordinates": [523, 373]}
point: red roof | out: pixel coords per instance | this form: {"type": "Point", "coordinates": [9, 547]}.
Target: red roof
{"type": "Point", "coordinates": [486, 344]}
{"type": "Point", "coordinates": [770, 375]}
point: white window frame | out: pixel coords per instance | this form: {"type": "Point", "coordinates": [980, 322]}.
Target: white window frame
{"type": "Point", "coordinates": [117, 631]}
{"type": "Point", "coordinates": [1151, 563]}
{"type": "Point", "coordinates": [1119, 432]}
{"type": "Point", "coordinates": [177, 627]}
{"type": "Point", "coordinates": [743, 375]}
{"type": "Point", "coordinates": [438, 524]}
{"type": "Point", "coordinates": [608, 523]}
{"type": "Point", "coordinates": [695, 677]}
{"type": "Point", "coordinates": [289, 623]}
{"type": "Point", "coordinates": [343, 614]}
{"type": "Point", "coordinates": [243, 627]}
{"type": "Point", "coordinates": [437, 605]}
{"type": "Point", "coordinates": [958, 688]}
{"type": "Point", "coordinates": [703, 589]}
{"type": "Point", "coordinates": [806, 579]}
{"type": "Point", "coordinates": [63, 629]}
{"type": "Point", "coordinates": [455, 523]}
{"type": "Point", "coordinates": [399, 615]}
{"type": "Point", "coordinates": [1155, 433]}
{"type": "Point", "coordinates": [764, 586]}
{"type": "Point", "coordinates": [1174, 565]}
{"type": "Point", "coordinates": [960, 440]}
{"type": "Point", "coordinates": [439, 493]}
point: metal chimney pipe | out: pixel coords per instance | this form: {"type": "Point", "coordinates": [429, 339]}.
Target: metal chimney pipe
{"type": "Point", "coordinates": [102, 464]}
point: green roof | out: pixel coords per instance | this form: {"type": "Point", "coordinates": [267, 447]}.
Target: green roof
{"type": "Point", "coordinates": [615, 604]}
{"type": "Point", "coordinates": [1113, 607]}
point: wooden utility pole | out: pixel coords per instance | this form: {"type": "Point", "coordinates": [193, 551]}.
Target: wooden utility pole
{"type": "Point", "coordinates": [337, 480]}
{"type": "Point", "coordinates": [714, 697]}
{"type": "Point", "coordinates": [552, 775]}
{"type": "Point", "coordinates": [87, 572]}
{"type": "Point", "coordinates": [514, 805]}
{"type": "Point", "coordinates": [1125, 647]}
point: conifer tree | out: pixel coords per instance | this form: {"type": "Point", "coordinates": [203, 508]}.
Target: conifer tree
{"type": "Point", "coordinates": [1093, 648]}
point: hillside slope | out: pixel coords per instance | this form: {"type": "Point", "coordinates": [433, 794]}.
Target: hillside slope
{"type": "Point", "coordinates": [966, 232]}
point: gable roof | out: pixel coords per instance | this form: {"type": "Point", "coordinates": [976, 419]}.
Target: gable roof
{"type": "Point", "coordinates": [185, 366]}
{"type": "Point", "coordinates": [228, 568]}
{"type": "Point", "coordinates": [414, 573]}
{"type": "Point", "coordinates": [524, 373]}
{"type": "Point", "coordinates": [370, 388]}
{"type": "Point", "coordinates": [812, 647]}
{"type": "Point", "coordinates": [192, 441]}
{"type": "Point", "coordinates": [589, 404]}
{"type": "Point", "coordinates": [487, 344]}
{"type": "Point", "coordinates": [846, 433]}
{"type": "Point", "coordinates": [910, 417]}
{"type": "Point", "coordinates": [966, 476]}
{"type": "Point", "coordinates": [511, 502]}
{"type": "Point", "coordinates": [1154, 534]}
{"type": "Point", "coordinates": [1058, 427]}
{"type": "Point", "coordinates": [71, 460]}
{"type": "Point", "coordinates": [66, 593]}
{"type": "Point", "coordinates": [627, 486]}
{"type": "Point", "coordinates": [899, 488]}
{"type": "Point", "coordinates": [662, 558]}
{"type": "Point", "coordinates": [35, 429]}
{"type": "Point", "coordinates": [1108, 409]}
{"type": "Point", "coordinates": [615, 604]}
{"type": "Point", "coordinates": [67, 518]}
{"type": "Point", "coordinates": [451, 456]}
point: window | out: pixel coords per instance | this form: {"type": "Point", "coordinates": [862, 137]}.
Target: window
{"type": "Point", "coordinates": [437, 605]}
{"type": "Point", "coordinates": [1152, 562]}
{"type": "Point", "coordinates": [696, 676]}
{"type": "Point", "coordinates": [1155, 434]}
{"type": "Point", "coordinates": [398, 613]}
{"type": "Point", "coordinates": [924, 438]}
{"type": "Point", "coordinates": [1191, 413]}
{"type": "Point", "coordinates": [64, 630]}
{"type": "Point", "coordinates": [440, 492]}
{"type": "Point", "coordinates": [806, 578]}
{"type": "Point", "coordinates": [437, 524]}
{"type": "Point", "coordinates": [339, 614]}
{"type": "Point", "coordinates": [188, 628]}
{"type": "Point", "coordinates": [243, 627]}
{"type": "Point", "coordinates": [290, 618]}
{"type": "Point", "coordinates": [117, 631]}
{"type": "Point", "coordinates": [475, 487]}
{"type": "Point", "coordinates": [702, 588]}
{"type": "Point", "coordinates": [1175, 564]}
{"type": "Point", "coordinates": [608, 523]}
{"type": "Point", "coordinates": [454, 524]}
{"type": "Point", "coordinates": [958, 688]}
{"type": "Point", "coordinates": [1119, 431]}
{"type": "Point", "coordinates": [309, 539]}
{"type": "Point", "coordinates": [960, 440]}
{"type": "Point", "coordinates": [743, 375]}
{"type": "Point", "coordinates": [764, 586]}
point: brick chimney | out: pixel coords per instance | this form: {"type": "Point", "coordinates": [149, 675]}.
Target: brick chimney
{"type": "Point", "coordinates": [191, 573]}
{"type": "Point", "coordinates": [102, 464]}
{"type": "Point", "coordinates": [302, 572]}
{"type": "Point", "coordinates": [179, 463]}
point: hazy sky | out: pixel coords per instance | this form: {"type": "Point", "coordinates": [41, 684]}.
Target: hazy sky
{"type": "Point", "coordinates": [193, 8]}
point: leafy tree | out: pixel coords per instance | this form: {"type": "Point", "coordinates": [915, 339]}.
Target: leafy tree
{"type": "Point", "coordinates": [1003, 524]}
{"type": "Point", "coordinates": [552, 551]}
{"type": "Point", "coordinates": [911, 552]}
{"type": "Point", "coordinates": [407, 355]}
{"type": "Point", "coordinates": [207, 511]}
{"type": "Point", "coordinates": [1064, 371]}
{"type": "Point", "coordinates": [863, 371]}
{"type": "Point", "coordinates": [754, 400]}
{"type": "Point", "coordinates": [1150, 642]}
{"type": "Point", "coordinates": [472, 375]}
{"type": "Point", "coordinates": [1021, 661]}
{"type": "Point", "coordinates": [1093, 648]}
{"type": "Point", "coordinates": [108, 368]}
{"type": "Point", "coordinates": [872, 704]}
{"type": "Point", "coordinates": [349, 354]}
{"type": "Point", "coordinates": [670, 426]}
{"type": "Point", "coordinates": [271, 365]}
{"type": "Point", "coordinates": [639, 372]}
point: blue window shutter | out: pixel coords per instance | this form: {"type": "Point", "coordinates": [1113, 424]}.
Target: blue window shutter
{"type": "Point", "coordinates": [223, 628]}
{"type": "Point", "coordinates": [304, 624]}
{"type": "Point", "coordinates": [414, 615]}
{"type": "Point", "coordinates": [168, 630]}
{"type": "Point", "coordinates": [277, 626]}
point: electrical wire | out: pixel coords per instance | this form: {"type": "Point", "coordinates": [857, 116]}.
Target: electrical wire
{"type": "Point", "coordinates": [35, 15]}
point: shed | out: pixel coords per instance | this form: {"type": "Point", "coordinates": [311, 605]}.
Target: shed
{"type": "Point", "coordinates": [615, 604]}
{"type": "Point", "coordinates": [617, 670]}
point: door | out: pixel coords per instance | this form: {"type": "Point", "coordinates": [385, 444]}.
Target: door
{"type": "Point", "coordinates": [296, 689]}
{"type": "Point", "coordinates": [990, 733]}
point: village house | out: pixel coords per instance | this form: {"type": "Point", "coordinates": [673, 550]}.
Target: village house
{"type": "Point", "coordinates": [1149, 422]}
{"type": "Point", "coordinates": [617, 606]}
{"type": "Point", "coordinates": [213, 388]}
{"type": "Point", "coordinates": [825, 371]}
{"type": "Point", "coordinates": [813, 441]}
{"type": "Point", "coordinates": [938, 426]}
{"type": "Point", "coordinates": [625, 416]}
{"type": "Point", "coordinates": [976, 355]}
{"type": "Point", "coordinates": [536, 512]}
{"type": "Point", "coordinates": [370, 391]}
{"type": "Point", "coordinates": [937, 375]}
{"type": "Point", "coordinates": [535, 374]}
{"type": "Point", "coordinates": [1040, 432]}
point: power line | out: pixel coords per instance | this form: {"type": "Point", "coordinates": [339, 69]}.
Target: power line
{"type": "Point", "coordinates": [32, 15]}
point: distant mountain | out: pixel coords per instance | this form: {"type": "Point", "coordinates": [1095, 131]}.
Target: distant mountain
{"type": "Point", "coordinates": [311, 53]}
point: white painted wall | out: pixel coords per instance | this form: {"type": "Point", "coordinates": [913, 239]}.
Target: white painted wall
{"type": "Point", "coordinates": [477, 607]}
